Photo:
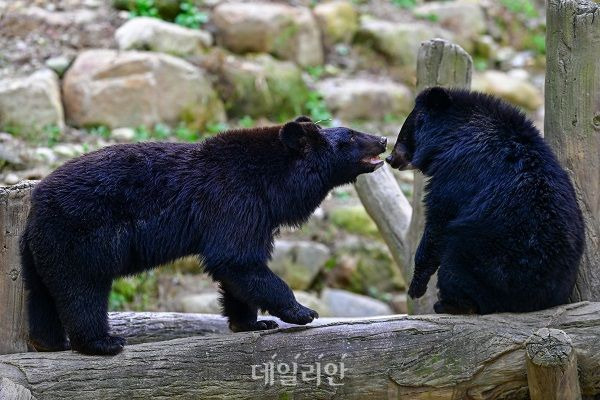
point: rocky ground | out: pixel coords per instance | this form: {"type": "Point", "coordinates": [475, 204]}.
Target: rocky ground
{"type": "Point", "coordinates": [76, 75]}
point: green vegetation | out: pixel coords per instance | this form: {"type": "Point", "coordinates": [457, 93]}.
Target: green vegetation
{"type": "Point", "coordinates": [317, 109]}
{"type": "Point", "coordinates": [354, 219]}
{"type": "Point", "coordinates": [408, 4]}
{"type": "Point", "coordinates": [133, 293]}
{"type": "Point", "coordinates": [246, 122]}
{"type": "Point", "coordinates": [316, 72]}
{"type": "Point", "coordinates": [189, 15]}
{"type": "Point", "coordinates": [523, 7]}
{"type": "Point", "coordinates": [52, 134]}
{"type": "Point", "coordinates": [432, 17]}
{"type": "Point", "coordinates": [100, 130]}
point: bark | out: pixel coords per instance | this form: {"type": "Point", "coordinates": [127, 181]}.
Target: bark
{"type": "Point", "coordinates": [439, 63]}
{"type": "Point", "coordinates": [14, 206]}
{"type": "Point", "coordinates": [418, 357]}
{"type": "Point", "coordinates": [572, 118]}
{"type": "Point", "coordinates": [380, 193]}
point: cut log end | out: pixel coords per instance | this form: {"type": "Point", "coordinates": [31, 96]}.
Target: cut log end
{"type": "Point", "coordinates": [549, 347]}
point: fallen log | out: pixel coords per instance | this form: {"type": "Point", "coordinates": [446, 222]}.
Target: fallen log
{"type": "Point", "coordinates": [408, 357]}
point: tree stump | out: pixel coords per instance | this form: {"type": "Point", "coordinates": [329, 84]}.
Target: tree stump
{"type": "Point", "coordinates": [552, 366]}
{"type": "Point", "coordinates": [14, 206]}
{"type": "Point", "coordinates": [572, 118]}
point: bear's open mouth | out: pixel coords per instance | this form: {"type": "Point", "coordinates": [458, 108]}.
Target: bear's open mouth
{"type": "Point", "coordinates": [373, 161]}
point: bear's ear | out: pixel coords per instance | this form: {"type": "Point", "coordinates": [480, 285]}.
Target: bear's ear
{"type": "Point", "coordinates": [303, 118]}
{"type": "Point", "coordinates": [293, 135]}
{"type": "Point", "coordinates": [437, 99]}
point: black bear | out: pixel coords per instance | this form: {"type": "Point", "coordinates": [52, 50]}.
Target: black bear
{"type": "Point", "coordinates": [502, 221]}
{"type": "Point", "coordinates": [127, 208]}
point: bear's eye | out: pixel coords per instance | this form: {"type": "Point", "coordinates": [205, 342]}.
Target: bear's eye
{"type": "Point", "coordinates": [352, 138]}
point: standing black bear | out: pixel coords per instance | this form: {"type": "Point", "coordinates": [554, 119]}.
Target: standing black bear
{"type": "Point", "coordinates": [128, 208]}
{"type": "Point", "coordinates": [502, 221]}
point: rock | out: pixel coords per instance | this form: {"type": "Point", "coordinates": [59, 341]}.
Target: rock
{"type": "Point", "coordinates": [152, 34]}
{"type": "Point", "coordinates": [45, 155]}
{"type": "Point", "coordinates": [205, 303]}
{"type": "Point", "coordinates": [11, 178]}
{"type": "Point", "coordinates": [398, 41]}
{"type": "Point", "coordinates": [511, 88]}
{"type": "Point", "coordinates": [345, 304]}
{"type": "Point", "coordinates": [67, 150]}
{"type": "Point", "coordinates": [338, 21]}
{"type": "Point", "coordinates": [298, 262]}
{"type": "Point", "coordinates": [123, 134]}
{"type": "Point", "coordinates": [287, 32]}
{"type": "Point", "coordinates": [59, 64]}
{"type": "Point", "coordinates": [464, 18]}
{"type": "Point", "coordinates": [124, 89]}
{"type": "Point", "coordinates": [60, 18]}
{"type": "Point", "coordinates": [13, 152]}
{"type": "Point", "coordinates": [486, 47]}
{"type": "Point", "coordinates": [364, 266]}
{"type": "Point", "coordinates": [363, 98]}
{"type": "Point", "coordinates": [399, 303]}
{"type": "Point", "coordinates": [260, 85]}
{"type": "Point", "coordinates": [313, 302]}
{"type": "Point", "coordinates": [30, 104]}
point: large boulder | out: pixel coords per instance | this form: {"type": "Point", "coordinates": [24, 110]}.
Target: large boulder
{"type": "Point", "coordinates": [287, 32]}
{"type": "Point", "coordinates": [465, 19]}
{"type": "Point", "coordinates": [31, 104]}
{"type": "Point", "coordinates": [345, 304]}
{"type": "Point", "coordinates": [398, 41]}
{"type": "Point", "coordinates": [298, 262]}
{"type": "Point", "coordinates": [146, 33]}
{"type": "Point", "coordinates": [365, 98]}
{"type": "Point", "coordinates": [511, 88]}
{"type": "Point", "coordinates": [259, 85]}
{"type": "Point", "coordinates": [338, 21]}
{"type": "Point", "coordinates": [123, 89]}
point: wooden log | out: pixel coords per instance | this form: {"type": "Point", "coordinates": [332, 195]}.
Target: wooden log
{"type": "Point", "coordinates": [551, 366]}
{"type": "Point", "coordinates": [572, 118]}
{"type": "Point", "coordinates": [400, 357]}
{"type": "Point", "coordinates": [12, 391]}
{"type": "Point", "coordinates": [14, 206]}
{"type": "Point", "coordinates": [439, 63]}
{"type": "Point", "coordinates": [381, 196]}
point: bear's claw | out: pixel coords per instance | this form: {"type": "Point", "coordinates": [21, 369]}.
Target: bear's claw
{"type": "Point", "coordinates": [297, 314]}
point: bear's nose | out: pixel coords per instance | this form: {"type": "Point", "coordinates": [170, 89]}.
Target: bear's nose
{"type": "Point", "coordinates": [389, 159]}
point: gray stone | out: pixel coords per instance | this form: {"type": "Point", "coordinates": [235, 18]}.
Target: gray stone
{"type": "Point", "coordinates": [345, 304]}
{"type": "Point", "coordinates": [130, 88]}
{"type": "Point", "coordinates": [259, 86]}
{"type": "Point", "coordinates": [399, 41]}
{"type": "Point", "coordinates": [146, 33]}
{"type": "Point", "coordinates": [204, 303]}
{"type": "Point", "coordinates": [298, 262]}
{"type": "Point", "coordinates": [366, 98]}
{"type": "Point", "coordinates": [511, 88]}
{"type": "Point", "coordinates": [59, 64]}
{"type": "Point", "coordinates": [464, 18]}
{"type": "Point", "coordinates": [313, 302]}
{"type": "Point", "coordinates": [287, 32]}
{"type": "Point", "coordinates": [338, 21]}
{"type": "Point", "coordinates": [30, 104]}
{"type": "Point", "coordinates": [123, 134]}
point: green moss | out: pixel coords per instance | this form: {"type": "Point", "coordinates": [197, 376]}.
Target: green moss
{"type": "Point", "coordinates": [354, 219]}
{"type": "Point", "coordinates": [133, 293]}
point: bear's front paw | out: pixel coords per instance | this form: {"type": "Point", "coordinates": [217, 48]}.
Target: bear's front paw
{"type": "Point", "coordinates": [253, 326]}
{"type": "Point", "coordinates": [297, 314]}
{"type": "Point", "coordinates": [417, 288]}
{"type": "Point", "coordinates": [107, 346]}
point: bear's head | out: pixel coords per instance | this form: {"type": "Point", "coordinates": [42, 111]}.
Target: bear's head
{"type": "Point", "coordinates": [340, 154]}
{"type": "Point", "coordinates": [430, 105]}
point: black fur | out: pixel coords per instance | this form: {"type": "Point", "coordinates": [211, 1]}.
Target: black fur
{"type": "Point", "coordinates": [128, 208]}
{"type": "Point", "coordinates": [502, 221]}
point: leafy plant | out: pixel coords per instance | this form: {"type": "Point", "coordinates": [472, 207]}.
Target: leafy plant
{"type": "Point", "coordinates": [144, 8]}
{"type": "Point", "coordinates": [317, 109]}
{"type": "Point", "coordinates": [52, 134]}
{"type": "Point", "coordinates": [408, 4]}
{"type": "Point", "coordinates": [161, 131]}
{"type": "Point", "coordinates": [133, 292]}
{"type": "Point", "coordinates": [432, 17]}
{"type": "Point", "coordinates": [215, 127]}
{"type": "Point", "coordinates": [523, 7]}
{"type": "Point", "coordinates": [316, 72]}
{"type": "Point", "coordinates": [191, 16]}
{"type": "Point", "coordinates": [100, 130]}
{"type": "Point", "coordinates": [246, 122]}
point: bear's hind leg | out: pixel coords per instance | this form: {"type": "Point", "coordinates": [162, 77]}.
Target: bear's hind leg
{"type": "Point", "coordinates": [83, 309]}
{"type": "Point", "coordinates": [46, 332]}
{"type": "Point", "coordinates": [242, 316]}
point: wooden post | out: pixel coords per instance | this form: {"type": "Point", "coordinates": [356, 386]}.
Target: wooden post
{"type": "Point", "coordinates": [572, 118]}
{"type": "Point", "coordinates": [14, 206]}
{"type": "Point", "coordinates": [380, 193]}
{"type": "Point", "coordinates": [551, 366]}
{"type": "Point", "coordinates": [439, 63]}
